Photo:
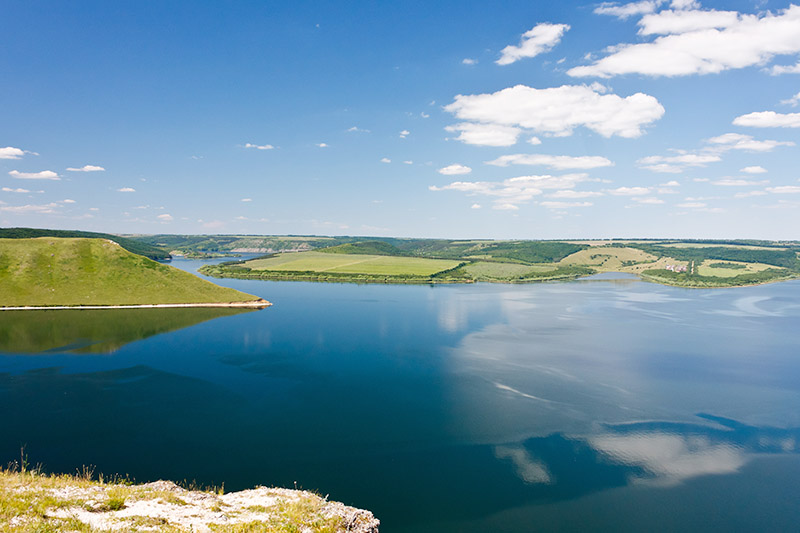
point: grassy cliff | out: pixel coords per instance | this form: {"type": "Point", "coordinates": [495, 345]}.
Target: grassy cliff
{"type": "Point", "coordinates": [50, 271]}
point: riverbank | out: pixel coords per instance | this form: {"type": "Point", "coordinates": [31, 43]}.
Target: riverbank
{"type": "Point", "coordinates": [253, 304]}
{"type": "Point", "coordinates": [30, 501]}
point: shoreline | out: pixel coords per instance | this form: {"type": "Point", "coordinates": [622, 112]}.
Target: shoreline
{"type": "Point", "coordinates": [254, 304]}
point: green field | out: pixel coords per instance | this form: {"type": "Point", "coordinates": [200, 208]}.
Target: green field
{"type": "Point", "coordinates": [49, 271]}
{"type": "Point", "coordinates": [500, 271]}
{"type": "Point", "coordinates": [708, 269]}
{"type": "Point", "coordinates": [380, 265]}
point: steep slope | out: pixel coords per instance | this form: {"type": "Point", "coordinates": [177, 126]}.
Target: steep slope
{"type": "Point", "coordinates": [50, 271]}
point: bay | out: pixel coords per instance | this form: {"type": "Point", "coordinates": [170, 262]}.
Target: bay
{"type": "Point", "coordinates": [596, 405]}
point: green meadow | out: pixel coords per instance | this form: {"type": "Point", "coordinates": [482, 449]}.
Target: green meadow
{"type": "Point", "coordinates": [379, 265]}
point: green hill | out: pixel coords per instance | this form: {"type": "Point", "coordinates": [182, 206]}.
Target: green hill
{"type": "Point", "coordinates": [50, 271]}
{"type": "Point", "coordinates": [135, 246]}
{"type": "Point", "coordinates": [364, 248]}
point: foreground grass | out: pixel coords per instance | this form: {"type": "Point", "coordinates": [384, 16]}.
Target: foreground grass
{"type": "Point", "coordinates": [51, 271]}
{"type": "Point", "coordinates": [34, 502]}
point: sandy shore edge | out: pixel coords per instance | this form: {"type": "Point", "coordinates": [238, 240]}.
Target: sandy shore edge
{"type": "Point", "coordinates": [254, 304]}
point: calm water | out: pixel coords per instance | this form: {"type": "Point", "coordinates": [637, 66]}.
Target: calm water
{"type": "Point", "coordinates": [604, 405]}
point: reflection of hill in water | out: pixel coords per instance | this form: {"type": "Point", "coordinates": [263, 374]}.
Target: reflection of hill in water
{"type": "Point", "coordinates": [94, 331]}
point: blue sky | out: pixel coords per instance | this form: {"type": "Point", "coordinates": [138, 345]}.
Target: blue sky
{"type": "Point", "coordinates": [417, 119]}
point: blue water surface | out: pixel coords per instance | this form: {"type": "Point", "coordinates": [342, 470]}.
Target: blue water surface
{"type": "Point", "coordinates": [596, 405]}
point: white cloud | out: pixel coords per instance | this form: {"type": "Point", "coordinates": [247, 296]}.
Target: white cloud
{"type": "Point", "coordinates": [569, 193]}
{"type": "Point", "coordinates": [86, 168]}
{"type": "Point", "coordinates": [454, 169]}
{"type": "Point", "coordinates": [385, 160]}
{"type": "Point", "coordinates": [676, 163]}
{"type": "Point", "coordinates": [630, 191]}
{"type": "Point", "coordinates": [558, 162]}
{"type": "Point", "coordinates": [9, 152]}
{"type": "Point", "coordinates": [485, 134]}
{"type": "Point", "coordinates": [18, 190]}
{"type": "Point", "coordinates": [624, 11]}
{"type": "Point", "coordinates": [35, 209]}
{"type": "Point", "coordinates": [507, 194]}
{"type": "Point", "coordinates": [793, 101]}
{"type": "Point", "coordinates": [247, 200]}
{"type": "Point", "coordinates": [404, 134]}
{"type": "Point", "coordinates": [408, 162]}
{"type": "Point", "coordinates": [504, 206]}
{"type": "Point", "coordinates": [777, 70]}
{"type": "Point", "coordinates": [539, 39]}
{"type": "Point", "coordinates": [730, 182]}
{"type": "Point", "coordinates": [68, 201]}
{"type": "Point", "coordinates": [737, 141]}
{"type": "Point", "coordinates": [424, 115]}
{"type": "Point", "coordinates": [749, 194]}
{"type": "Point", "coordinates": [558, 111]}
{"type": "Point", "coordinates": [259, 147]}
{"type": "Point", "coordinates": [166, 217]}
{"type": "Point", "coordinates": [650, 200]}
{"type": "Point", "coordinates": [753, 170]}
{"type": "Point", "coordinates": [671, 183]}
{"type": "Point", "coordinates": [676, 22]}
{"type": "Point", "coordinates": [784, 189]}
{"type": "Point", "coordinates": [322, 145]}
{"type": "Point", "coordinates": [469, 61]}
{"type": "Point", "coordinates": [475, 206]}
{"type": "Point", "coordinates": [126, 189]}
{"type": "Point", "coordinates": [356, 129]}
{"type": "Point", "coordinates": [750, 40]}
{"type": "Point", "coordinates": [535, 141]}
{"type": "Point", "coordinates": [692, 205]}
{"type": "Point", "coordinates": [564, 205]}
{"type": "Point", "coordinates": [43, 175]}
{"type": "Point", "coordinates": [769, 119]}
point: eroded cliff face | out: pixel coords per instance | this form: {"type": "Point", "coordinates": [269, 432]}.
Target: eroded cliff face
{"type": "Point", "coordinates": [62, 503]}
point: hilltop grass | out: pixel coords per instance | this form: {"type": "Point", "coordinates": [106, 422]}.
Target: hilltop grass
{"type": "Point", "coordinates": [49, 271]}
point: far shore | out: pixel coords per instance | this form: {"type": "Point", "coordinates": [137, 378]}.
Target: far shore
{"type": "Point", "coordinates": [254, 304]}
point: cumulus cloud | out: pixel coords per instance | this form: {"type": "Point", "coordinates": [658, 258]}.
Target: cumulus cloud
{"type": "Point", "coordinates": [322, 145]}
{"type": "Point", "coordinates": [749, 194]}
{"type": "Point", "coordinates": [692, 205]}
{"type": "Point", "coordinates": [731, 182]}
{"type": "Point", "coordinates": [554, 111]}
{"type": "Point", "coordinates": [676, 163]}
{"type": "Point", "coordinates": [166, 217]}
{"type": "Point", "coordinates": [784, 189]}
{"type": "Point", "coordinates": [737, 141]}
{"type": "Point", "coordinates": [126, 189]}
{"type": "Point", "coordinates": [475, 206]}
{"type": "Point", "coordinates": [793, 101]}
{"type": "Point", "coordinates": [535, 141]}
{"type": "Point", "coordinates": [509, 193]}
{"type": "Point", "coordinates": [259, 146]}
{"type": "Point", "coordinates": [485, 134]}
{"type": "Point", "coordinates": [624, 11]}
{"type": "Point", "coordinates": [629, 191]}
{"type": "Point", "coordinates": [558, 162]}
{"type": "Point", "coordinates": [777, 70]}
{"type": "Point", "coordinates": [455, 169]}
{"type": "Point", "coordinates": [569, 193]}
{"type": "Point", "coordinates": [86, 168]}
{"type": "Point", "coordinates": [649, 200]}
{"type": "Point", "coordinates": [702, 42]}
{"type": "Point", "coordinates": [753, 170]}
{"type": "Point", "coordinates": [469, 61]}
{"type": "Point", "coordinates": [9, 152]}
{"type": "Point", "coordinates": [43, 175]}
{"type": "Point", "coordinates": [769, 119]}
{"type": "Point", "coordinates": [564, 205]}
{"type": "Point", "coordinates": [356, 129]}
{"type": "Point", "coordinates": [539, 39]}
{"type": "Point", "coordinates": [18, 190]}
{"type": "Point", "coordinates": [246, 199]}
{"type": "Point", "coordinates": [385, 160]}
{"type": "Point", "coordinates": [68, 201]}
{"type": "Point", "coordinates": [34, 209]}
{"type": "Point", "coordinates": [405, 133]}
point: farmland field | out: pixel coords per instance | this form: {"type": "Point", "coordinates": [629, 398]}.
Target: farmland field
{"type": "Point", "coordinates": [485, 269]}
{"type": "Point", "coordinates": [608, 258]}
{"type": "Point", "coordinates": [706, 269]}
{"type": "Point", "coordinates": [352, 264]}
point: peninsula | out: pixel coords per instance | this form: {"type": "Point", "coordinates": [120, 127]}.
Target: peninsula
{"type": "Point", "coordinates": [92, 273]}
